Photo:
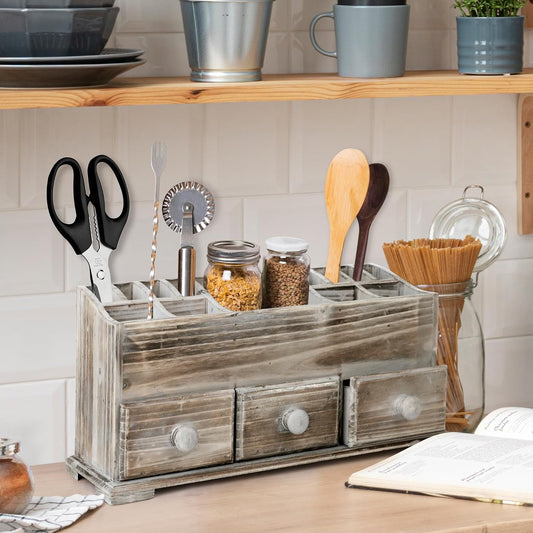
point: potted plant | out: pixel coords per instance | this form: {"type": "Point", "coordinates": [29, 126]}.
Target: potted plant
{"type": "Point", "coordinates": [490, 36]}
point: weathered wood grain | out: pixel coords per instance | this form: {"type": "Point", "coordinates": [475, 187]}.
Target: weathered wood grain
{"type": "Point", "coordinates": [372, 412]}
{"type": "Point", "coordinates": [146, 446]}
{"type": "Point", "coordinates": [98, 384]}
{"type": "Point", "coordinates": [259, 428]}
{"type": "Point", "coordinates": [275, 87]}
{"type": "Point", "coordinates": [140, 382]}
{"type": "Point", "coordinates": [347, 338]}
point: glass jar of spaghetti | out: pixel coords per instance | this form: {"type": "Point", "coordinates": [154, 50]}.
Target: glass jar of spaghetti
{"type": "Point", "coordinates": [232, 276]}
{"type": "Point", "coordinates": [460, 346]}
{"type": "Point", "coordinates": [16, 480]}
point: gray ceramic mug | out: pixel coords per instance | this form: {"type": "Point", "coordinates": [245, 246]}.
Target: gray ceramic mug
{"type": "Point", "coordinates": [371, 40]}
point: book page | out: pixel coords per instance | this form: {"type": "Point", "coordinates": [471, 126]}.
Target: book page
{"type": "Point", "coordinates": [458, 464]}
{"type": "Point", "coordinates": [508, 422]}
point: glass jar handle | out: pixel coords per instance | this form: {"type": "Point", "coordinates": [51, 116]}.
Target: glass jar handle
{"type": "Point", "coordinates": [474, 187]}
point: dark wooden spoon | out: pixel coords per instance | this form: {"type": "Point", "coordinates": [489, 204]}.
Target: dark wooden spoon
{"type": "Point", "coordinates": [378, 188]}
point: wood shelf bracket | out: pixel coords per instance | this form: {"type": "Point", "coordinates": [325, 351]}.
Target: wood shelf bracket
{"type": "Point", "coordinates": [528, 12]}
{"type": "Point", "coordinates": [525, 164]}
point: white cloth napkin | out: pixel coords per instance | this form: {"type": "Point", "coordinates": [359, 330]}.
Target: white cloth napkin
{"type": "Point", "coordinates": [50, 514]}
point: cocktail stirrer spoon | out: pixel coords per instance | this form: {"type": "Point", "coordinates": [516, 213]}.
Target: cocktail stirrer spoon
{"type": "Point", "coordinates": [159, 161]}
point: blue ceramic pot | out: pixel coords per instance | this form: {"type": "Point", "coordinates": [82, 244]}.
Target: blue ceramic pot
{"type": "Point", "coordinates": [490, 45]}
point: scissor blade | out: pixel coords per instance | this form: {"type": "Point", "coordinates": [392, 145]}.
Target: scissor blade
{"type": "Point", "coordinates": [98, 262]}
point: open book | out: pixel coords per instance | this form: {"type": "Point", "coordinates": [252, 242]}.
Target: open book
{"type": "Point", "coordinates": [493, 464]}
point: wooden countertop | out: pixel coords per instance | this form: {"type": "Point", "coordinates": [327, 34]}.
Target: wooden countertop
{"type": "Point", "coordinates": [307, 498]}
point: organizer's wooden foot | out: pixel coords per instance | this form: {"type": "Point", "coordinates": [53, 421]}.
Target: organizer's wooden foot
{"type": "Point", "coordinates": [115, 493]}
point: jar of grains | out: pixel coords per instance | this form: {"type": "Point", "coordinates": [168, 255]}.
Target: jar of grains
{"type": "Point", "coordinates": [286, 272]}
{"type": "Point", "coordinates": [16, 480]}
{"type": "Point", "coordinates": [232, 276]}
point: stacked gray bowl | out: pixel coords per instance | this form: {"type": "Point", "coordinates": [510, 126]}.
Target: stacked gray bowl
{"type": "Point", "coordinates": [54, 28]}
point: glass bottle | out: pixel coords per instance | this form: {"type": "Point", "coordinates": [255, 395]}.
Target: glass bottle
{"type": "Point", "coordinates": [232, 276]}
{"type": "Point", "coordinates": [16, 480]}
{"type": "Point", "coordinates": [286, 272]}
{"type": "Point", "coordinates": [461, 347]}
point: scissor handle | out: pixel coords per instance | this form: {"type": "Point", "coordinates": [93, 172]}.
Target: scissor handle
{"type": "Point", "coordinates": [78, 233]}
{"type": "Point", "coordinates": [109, 228]}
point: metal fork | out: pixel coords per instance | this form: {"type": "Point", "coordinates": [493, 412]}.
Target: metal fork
{"type": "Point", "coordinates": [159, 161]}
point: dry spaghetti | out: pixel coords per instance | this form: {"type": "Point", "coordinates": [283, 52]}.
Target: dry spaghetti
{"type": "Point", "coordinates": [444, 266]}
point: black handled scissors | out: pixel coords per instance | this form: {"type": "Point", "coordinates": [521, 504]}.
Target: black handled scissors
{"type": "Point", "coordinates": [106, 230]}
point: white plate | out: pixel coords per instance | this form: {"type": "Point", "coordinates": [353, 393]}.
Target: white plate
{"type": "Point", "coordinates": [62, 76]}
{"type": "Point", "coordinates": [108, 55]}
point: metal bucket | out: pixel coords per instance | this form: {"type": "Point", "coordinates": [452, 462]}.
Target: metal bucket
{"type": "Point", "coordinates": [226, 40]}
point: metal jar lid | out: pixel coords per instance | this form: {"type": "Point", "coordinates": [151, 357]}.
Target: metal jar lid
{"type": "Point", "coordinates": [233, 252]}
{"type": "Point", "coordinates": [475, 217]}
{"type": "Point", "coordinates": [286, 245]}
{"type": "Point", "coordinates": [8, 447]}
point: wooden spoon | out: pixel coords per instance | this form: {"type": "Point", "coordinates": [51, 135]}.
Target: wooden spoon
{"type": "Point", "coordinates": [346, 187]}
{"type": "Point", "coordinates": [377, 192]}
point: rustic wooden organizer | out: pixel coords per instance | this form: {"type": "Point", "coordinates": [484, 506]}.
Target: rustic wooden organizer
{"type": "Point", "coordinates": [202, 393]}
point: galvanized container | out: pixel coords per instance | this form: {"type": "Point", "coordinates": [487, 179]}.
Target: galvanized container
{"type": "Point", "coordinates": [226, 40]}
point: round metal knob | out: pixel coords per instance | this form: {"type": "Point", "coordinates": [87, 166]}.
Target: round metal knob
{"type": "Point", "coordinates": [184, 438]}
{"type": "Point", "coordinates": [295, 421]}
{"type": "Point", "coordinates": [408, 407]}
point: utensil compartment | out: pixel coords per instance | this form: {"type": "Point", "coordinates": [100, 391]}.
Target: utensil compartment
{"type": "Point", "coordinates": [130, 302]}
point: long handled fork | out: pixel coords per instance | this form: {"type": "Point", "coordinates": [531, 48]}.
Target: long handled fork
{"type": "Point", "coordinates": [159, 161]}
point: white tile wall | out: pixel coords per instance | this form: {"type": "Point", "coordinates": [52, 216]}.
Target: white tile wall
{"type": "Point", "coordinates": [38, 337]}
{"type": "Point", "coordinates": [412, 137]}
{"type": "Point", "coordinates": [32, 253]}
{"type": "Point", "coordinates": [484, 139]}
{"type": "Point", "coordinates": [311, 147]}
{"type": "Point", "coordinates": [9, 160]}
{"type": "Point", "coordinates": [265, 163]}
{"type": "Point", "coordinates": [35, 415]}
{"type": "Point", "coordinates": [48, 135]}
{"type": "Point", "coordinates": [246, 148]}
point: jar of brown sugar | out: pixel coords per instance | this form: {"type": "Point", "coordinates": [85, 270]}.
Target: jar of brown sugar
{"type": "Point", "coordinates": [286, 272]}
{"type": "Point", "coordinates": [232, 276]}
{"type": "Point", "coordinates": [16, 480]}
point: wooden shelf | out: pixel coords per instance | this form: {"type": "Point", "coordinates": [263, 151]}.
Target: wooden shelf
{"type": "Point", "coordinates": [150, 91]}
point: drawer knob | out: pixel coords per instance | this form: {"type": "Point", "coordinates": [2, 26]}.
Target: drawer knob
{"type": "Point", "coordinates": [184, 438]}
{"type": "Point", "coordinates": [408, 407]}
{"type": "Point", "coordinates": [295, 421]}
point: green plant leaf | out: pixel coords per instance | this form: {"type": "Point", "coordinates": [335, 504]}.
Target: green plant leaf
{"type": "Point", "coordinates": [489, 8]}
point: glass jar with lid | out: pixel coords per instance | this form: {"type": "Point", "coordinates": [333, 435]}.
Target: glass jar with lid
{"type": "Point", "coordinates": [286, 272]}
{"type": "Point", "coordinates": [460, 337]}
{"type": "Point", "coordinates": [16, 480]}
{"type": "Point", "coordinates": [232, 276]}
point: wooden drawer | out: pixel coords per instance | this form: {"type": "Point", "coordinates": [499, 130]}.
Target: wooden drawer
{"type": "Point", "coordinates": [388, 407]}
{"type": "Point", "coordinates": [285, 418]}
{"type": "Point", "coordinates": [174, 434]}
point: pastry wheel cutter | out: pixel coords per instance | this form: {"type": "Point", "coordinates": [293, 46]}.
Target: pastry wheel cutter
{"type": "Point", "coordinates": [187, 208]}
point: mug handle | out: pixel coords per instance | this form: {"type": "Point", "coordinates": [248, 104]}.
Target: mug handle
{"type": "Point", "coordinates": [329, 14]}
